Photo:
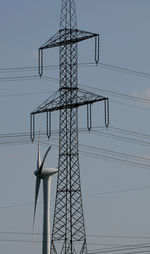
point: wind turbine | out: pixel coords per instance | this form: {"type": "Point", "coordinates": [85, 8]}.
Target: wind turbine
{"type": "Point", "coordinates": [45, 174]}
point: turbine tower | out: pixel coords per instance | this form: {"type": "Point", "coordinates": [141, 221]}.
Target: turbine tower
{"type": "Point", "coordinates": [45, 174]}
{"type": "Point", "coordinates": [68, 232]}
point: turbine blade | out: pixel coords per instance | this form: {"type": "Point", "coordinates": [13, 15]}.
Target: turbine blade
{"type": "Point", "coordinates": [37, 187]}
{"type": "Point", "coordinates": [40, 169]}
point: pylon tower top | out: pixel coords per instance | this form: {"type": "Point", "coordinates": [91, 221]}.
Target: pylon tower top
{"type": "Point", "coordinates": [68, 17]}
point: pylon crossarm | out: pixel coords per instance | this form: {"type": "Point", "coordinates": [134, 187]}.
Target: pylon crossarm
{"type": "Point", "coordinates": [83, 98]}
{"type": "Point", "coordinates": [67, 36]}
{"type": "Point", "coordinates": [59, 106]}
{"type": "Point", "coordinates": [86, 98]}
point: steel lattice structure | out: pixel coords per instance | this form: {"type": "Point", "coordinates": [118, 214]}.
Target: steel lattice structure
{"type": "Point", "coordinates": [68, 232]}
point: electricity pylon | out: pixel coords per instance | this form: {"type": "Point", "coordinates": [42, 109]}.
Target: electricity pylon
{"type": "Point", "coordinates": [68, 232]}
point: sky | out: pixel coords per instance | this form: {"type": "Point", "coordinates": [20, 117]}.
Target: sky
{"type": "Point", "coordinates": [115, 191]}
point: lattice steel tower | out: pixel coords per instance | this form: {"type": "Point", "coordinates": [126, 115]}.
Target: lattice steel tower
{"type": "Point", "coordinates": [68, 232]}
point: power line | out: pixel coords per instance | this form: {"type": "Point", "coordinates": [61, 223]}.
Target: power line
{"type": "Point", "coordinates": [120, 236]}
{"type": "Point", "coordinates": [88, 64]}
{"type": "Point", "coordinates": [111, 158]}
{"type": "Point", "coordinates": [126, 159]}
{"type": "Point", "coordinates": [112, 152]}
{"type": "Point", "coordinates": [97, 152]}
{"type": "Point", "coordinates": [90, 236]}
{"type": "Point", "coordinates": [122, 138]}
{"type": "Point", "coordinates": [125, 70]}
{"type": "Point", "coordinates": [93, 152]}
{"type": "Point", "coordinates": [121, 95]}
{"type": "Point", "coordinates": [119, 191]}
{"type": "Point", "coordinates": [25, 68]}
{"type": "Point", "coordinates": [23, 94]}
{"type": "Point", "coordinates": [96, 244]}
{"type": "Point", "coordinates": [43, 133]}
{"type": "Point", "coordinates": [33, 68]}
{"type": "Point", "coordinates": [123, 249]}
{"type": "Point", "coordinates": [18, 78]}
{"type": "Point", "coordinates": [123, 160]}
{"type": "Point", "coordinates": [130, 105]}
{"type": "Point", "coordinates": [130, 132]}
{"type": "Point", "coordinates": [83, 130]}
{"type": "Point", "coordinates": [119, 247]}
{"type": "Point", "coordinates": [84, 197]}
{"type": "Point", "coordinates": [113, 93]}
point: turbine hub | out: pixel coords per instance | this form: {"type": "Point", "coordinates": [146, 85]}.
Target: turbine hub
{"type": "Point", "coordinates": [37, 174]}
{"type": "Point", "coordinates": [46, 172]}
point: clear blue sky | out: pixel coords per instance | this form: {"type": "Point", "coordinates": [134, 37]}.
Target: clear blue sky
{"type": "Point", "coordinates": [116, 196]}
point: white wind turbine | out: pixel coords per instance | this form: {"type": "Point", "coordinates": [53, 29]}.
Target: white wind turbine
{"type": "Point", "coordinates": [45, 174]}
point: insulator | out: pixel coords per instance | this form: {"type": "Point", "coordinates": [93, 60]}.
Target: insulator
{"type": "Point", "coordinates": [89, 117]}
{"type": "Point", "coordinates": [106, 112]}
{"type": "Point", "coordinates": [97, 41]}
{"type": "Point", "coordinates": [32, 127]}
{"type": "Point", "coordinates": [40, 62]}
{"type": "Point", "coordinates": [48, 123]}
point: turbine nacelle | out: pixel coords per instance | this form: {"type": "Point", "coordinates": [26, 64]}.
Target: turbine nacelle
{"type": "Point", "coordinates": [46, 172]}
